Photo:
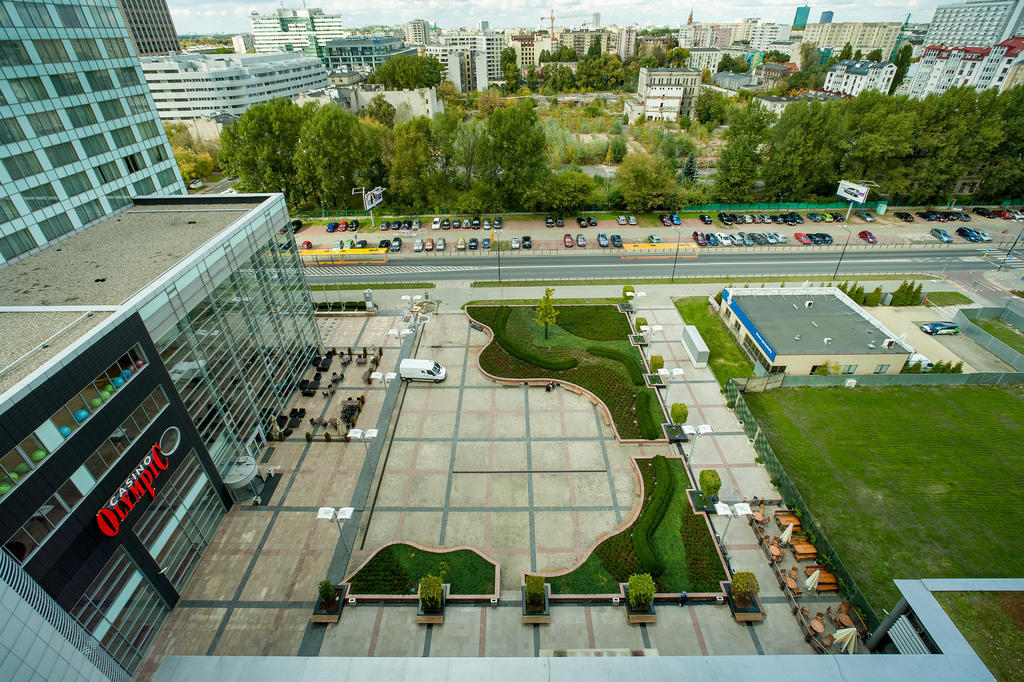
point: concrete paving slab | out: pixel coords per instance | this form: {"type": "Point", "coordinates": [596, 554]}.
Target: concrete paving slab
{"type": "Point", "coordinates": [399, 635]}
{"type": "Point", "coordinates": [509, 490]}
{"type": "Point", "coordinates": [469, 490]}
{"type": "Point", "coordinates": [422, 527]}
{"type": "Point", "coordinates": [383, 528]}
{"type": "Point", "coordinates": [674, 634]}
{"type": "Point", "coordinates": [612, 631]}
{"type": "Point", "coordinates": [568, 630]}
{"type": "Point", "coordinates": [460, 634]}
{"type": "Point", "coordinates": [778, 634]}
{"type": "Point", "coordinates": [590, 489]}
{"type": "Point", "coordinates": [510, 530]}
{"type": "Point", "coordinates": [722, 634]}
{"type": "Point", "coordinates": [505, 633]}
{"type": "Point", "coordinates": [467, 528]}
{"type": "Point", "coordinates": [555, 530]}
{"type": "Point", "coordinates": [586, 454]}
{"type": "Point", "coordinates": [552, 490]}
{"type": "Point", "coordinates": [427, 490]}
{"type": "Point", "coordinates": [353, 633]}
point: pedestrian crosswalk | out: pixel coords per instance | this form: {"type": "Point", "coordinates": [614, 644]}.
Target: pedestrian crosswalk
{"type": "Point", "coordinates": [353, 270]}
{"type": "Point", "coordinates": [1000, 257]}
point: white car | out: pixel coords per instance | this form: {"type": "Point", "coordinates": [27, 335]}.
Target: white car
{"type": "Point", "coordinates": [779, 236]}
{"type": "Point", "coordinates": [514, 243]}
{"type": "Point", "coordinates": [1017, 215]}
{"type": "Point", "coordinates": [771, 238]}
{"type": "Point", "coordinates": [984, 235]}
{"type": "Point", "coordinates": [416, 224]}
{"type": "Point", "coordinates": [417, 245]}
{"type": "Point", "coordinates": [724, 239]}
{"type": "Point", "coordinates": [435, 224]}
{"type": "Point", "coordinates": [440, 244]}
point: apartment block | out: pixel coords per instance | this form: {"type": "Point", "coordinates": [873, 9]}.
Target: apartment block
{"type": "Point", "coordinates": [150, 25]}
{"type": "Point", "coordinates": [976, 23]}
{"type": "Point", "coordinates": [861, 36]}
{"type": "Point", "coordinates": [942, 68]}
{"type": "Point", "coordinates": [305, 30]}
{"type": "Point", "coordinates": [852, 77]}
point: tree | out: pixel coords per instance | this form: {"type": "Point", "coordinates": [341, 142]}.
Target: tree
{"type": "Point", "coordinates": [618, 149]}
{"type": "Point", "coordinates": [448, 93]}
{"type": "Point", "coordinates": [677, 57]}
{"type": "Point", "coordinates": [515, 157]}
{"type": "Point", "coordinates": [487, 101]}
{"type": "Point", "coordinates": [532, 80]}
{"type": "Point", "coordinates": [649, 62]}
{"type": "Point", "coordinates": [337, 152]}
{"type": "Point", "coordinates": [710, 482]}
{"type": "Point", "coordinates": [690, 169]}
{"type": "Point", "coordinates": [733, 64]}
{"type": "Point", "coordinates": [712, 107]}
{"type": "Point", "coordinates": [902, 63]}
{"type": "Point", "coordinates": [594, 50]}
{"type": "Point", "coordinates": [510, 68]}
{"type": "Point", "coordinates": [409, 168]}
{"type": "Point", "coordinates": [847, 52]}
{"type": "Point", "coordinates": [875, 55]}
{"type": "Point", "coordinates": [408, 72]}
{"type": "Point", "coordinates": [545, 313]}
{"type": "Point", "coordinates": [193, 165]}
{"type": "Point", "coordinates": [468, 148]}
{"type": "Point", "coordinates": [444, 129]}
{"type": "Point", "coordinates": [776, 57]}
{"type": "Point", "coordinates": [645, 183]}
{"type": "Point", "coordinates": [568, 191]}
{"type": "Point", "coordinates": [381, 111]}
{"type": "Point", "coordinates": [858, 55]}
{"type": "Point", "coordinates": [739, 161]}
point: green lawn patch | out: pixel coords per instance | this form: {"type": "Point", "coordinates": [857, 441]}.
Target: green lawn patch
{"type": "Point", "coordinates": [687, 279]}
{"type": "Point", "coordinates": [945, 298]}
{"type": "Point", "coordinates": [397, 569]}
{"type": "Point", "coordinates": [993, 624]}
{"type": "Point", "coordinates": [684, 553]}
{"type": "Point", "coordinates": [726, 359]}
{"type": "Point", "coordinates": [907, 482]}
{"type": "Point", "coordinates": [374, 285]}
{"type": "Point", "coordinates": [1005, 332]}
{"type": "Point", "coordinates": [611, 369]}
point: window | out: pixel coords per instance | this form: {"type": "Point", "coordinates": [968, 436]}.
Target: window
{"type": "Point", "coordinates": [55, 226]}
{"type": "Point", "coordinates": [76, 184]}
{"type": "Point", "coordinates": [34, 14]}
{"type": "Point", "coordinates": [107, 17]}
{"type": "Point", "coordinates": [144, 186]}
{"type": "Point", "coordinates": [157, 154]}
{"type": "Point", "coordinates": [138, 104]}
{"type": "Point", "coordinates": [108, 171]}
{"type": "Point", "coordinates": [71, 16]}
{"type": "Point", "coordinates": [99, 80]}
{"type": "Point", "coordinates": [85, 48]}
{"type": "Point", "coordinates": [127, 76]}
{"type": "Point", "coordinates": [7, 210]}
{"type": "Point", "coordinates": [111, 109]}
{"type": "Point", "coordinates": [13, 53]}
{"type": "Point", "coordinates": [95, 144]}
{"type": "Point", "coordinates": [134, 162]}
{"type": "Point", "coordinates": [116, 48]}
{"type": "Point", "coordinates": [849, 369]}
{"type": "Point", "coordinates": [61, 154]}
{"type": "Point", "coordinates": [66, 84]}
{"type": "Point", "coordinates": [22, 165]}
{"type": "Point", "coordinates": [50, 51]}
{"type": "Point", "coordinates": [881, 369]}
{"type": "Point", "coordinates": [119, 198]}
{"type": "Point", "coordinates": [10, 131]}
{"type": "Point", "coordinates": [40, 197]}
{"type": "Point", "coordinates": [14, 245]}
{"type": "Point", "coordinates": [166, 177]}
{"type": "Point", "coordinates": [45, 123]}
{"type": "Point", "coordinates": [29, 89]}
{"type": "Point", "coordinates": [81, 116]}
{"type": "Point", "coordinates": [89, 211]}
{"type": "Point", "coordinates": [149, 129]}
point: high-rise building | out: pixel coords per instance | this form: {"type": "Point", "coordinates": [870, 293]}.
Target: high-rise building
{"type": "Point", "coordinates": [826, 17]}
{"type": "Point", "coordinates": [765, 34]}
{"type": "Point", "coordinates": [363, 53]}
{"type": "Point", "coordinates": [861, 36]}
{"type": "Point", "coordinates": [486, 47]}
{"type": "Point", "coordinates": [416, 32]}
{"type": "Point", "coordinates": [191, 86]}
{"type": "Point", "coordinates": [483, 25]}
{"type": "Point", "coordinates": [304, 30]}
{"type": "Point", "coordinates": [976, 23]}
{"type": "Point", "coordinates": [664, 95]}
{"type": "Point", "coordinates": [625, 42]}
{"type": "Point", "coordinates": [802, 14]}
{"type": "Point", "coordinates": [460, 66]}
{"type": "Point", "coordinates": [242, 43]}
{"type": "Point", "coordinates": [942, 68]}
{"type": "Point", "coordinates": [150, 25]}
{"type": "Point", "coordinates": [79, 133]}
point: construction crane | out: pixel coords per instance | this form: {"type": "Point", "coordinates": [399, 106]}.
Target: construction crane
{"type": "Point", "coordinates": [564, 16]}
{"type": "Point", "coordinates": [899, 38]}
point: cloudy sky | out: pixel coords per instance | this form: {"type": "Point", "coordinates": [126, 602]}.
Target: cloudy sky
{"type": "Point", "coordinates": [228, 16]}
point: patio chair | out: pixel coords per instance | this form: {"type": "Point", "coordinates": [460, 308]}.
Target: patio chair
{"type": "Point", "coordinates": [827, 640]}
{"type": "Point", "coordinates": [820, 615]}
{"type": "Point", "coordinates": [805, 613]}
{"type": "Point", "coordinates": [844, 606]}
{"type": "Point", "coordinates": [830, 613]}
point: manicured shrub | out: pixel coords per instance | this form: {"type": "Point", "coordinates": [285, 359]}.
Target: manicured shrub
{"type": "Point", "coordinates": [327, 594]}
{"type": "Point", "coordinates": [657, 362]}
{"type": "Point", "coordinates": [534, 593]}
{"type": "Point", "coordinates": [744, 588]}
{"type": "Point", "coordinates": [641, 591]}
{"type": "Point", "coordinates": [874, 298]}
{"type": "Point", "coordinates": [430, 593]}
{"type": "Point", "coordinates": [703, 565]}
{"type": "Point", "coordinates": [679, 413]}
{"type": "Point", "coordinates": [528, 355]}
{"type": "Point", "coordinates": [628, 288]}
{"type": "Point", "coordinates": [958, 368]}
{"type": "Point", "coordinates": [710, 482]}
{"type": "Point", "coordinates": [632, 366]}
{"type": "Point", "coordinates": [639, 322]}
{"type": "Point", "coordinates": [594, 322]}
{"type": "Point", "coordinates": [646, 421]}
{"type": "Point", "coordinates": [651, 516]}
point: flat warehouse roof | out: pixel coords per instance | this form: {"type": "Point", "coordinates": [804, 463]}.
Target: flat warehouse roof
{"type": "Point", "coordinates": [794, 329]}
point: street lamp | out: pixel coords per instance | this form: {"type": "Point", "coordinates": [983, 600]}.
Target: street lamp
{"type": "Point", "coordinates": [739, 509]}
{"type": "Point", "coordinates": [845, 244]}
{"type": "Point", "coordinates": [339, 515]}
{"type": "Point", "coordinates": [364, 436]}
{"type": "Point", "coordinates": [675, 259]}
{"type": "Point", "coordinates": [695, 433]}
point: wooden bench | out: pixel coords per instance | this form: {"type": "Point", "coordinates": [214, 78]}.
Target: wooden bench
{"type": "Point", "coordinates": [366, 376]}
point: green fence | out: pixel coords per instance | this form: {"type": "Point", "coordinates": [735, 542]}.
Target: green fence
{"type": "Point", "coordinates": [791, 495]}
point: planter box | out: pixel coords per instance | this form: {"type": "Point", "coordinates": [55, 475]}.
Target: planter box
{"type": "Point", "coordinates": [697, 499]}
{"type": "Point", "coordinates": [638, 339]}
{"type": "Point", "coordinates": [654, 381]}
{"type": "Point", "coordinates": [432, 617]}
{"type": "Point", "coordinates": [329, 615]}
{"type": "Point", "coordinates": [538, 617]}
{"type": "Point", "coordinates": [635, 617]}
{"type": "Point", "coordinates": [675, 433]}
{"type": "Point", "coordinates": [753, 614]}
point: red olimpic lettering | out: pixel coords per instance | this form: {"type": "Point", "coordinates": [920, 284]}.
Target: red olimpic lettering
{"type": "Point", "coordinates": [141, 481]}
{"type": "Point", "coordinates": [107, 521]}
{"type": "Point", "coordinates": [127, 501]}
{"type": "Point", "coordinates": [156, 458]}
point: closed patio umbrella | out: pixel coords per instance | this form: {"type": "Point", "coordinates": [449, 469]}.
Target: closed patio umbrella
{"type": "Point", "coordinates": [812, 581]}
{"type": "Point", "coordinates": [847, 637]}
{"type": "Point", "coordinates": [787, 534]}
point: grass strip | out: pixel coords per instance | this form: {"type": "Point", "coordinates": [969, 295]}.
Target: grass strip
{"type": "Point", "coordinates": [1004, 331]}
{"type": "Point", "coordinates": [397, 569]}
{"type": "Point", "coordinates": [698, 279]}
{"type": "Point", "coordinates": [371, 285]}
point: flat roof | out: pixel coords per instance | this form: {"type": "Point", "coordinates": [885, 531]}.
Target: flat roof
{"type": "Point", "coordinates": [794, 329]}
{"type": "Point", "coordinates": [24, 333]}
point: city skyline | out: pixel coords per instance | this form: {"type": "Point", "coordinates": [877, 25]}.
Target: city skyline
{"type": "Point", "coordinates": [195, 16]}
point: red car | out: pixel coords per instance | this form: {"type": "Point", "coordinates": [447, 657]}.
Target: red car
{"type": "Point", "coordinates": [699, 238]}
{"type": "Point", "coordinates": [568, 240]}
{"type": "Point", "coordinates": [802, 238]}
{"type": "Point", "coordinates": [306, 245]}
{"type": "Point", "coordinates": [867, 236]}
{"type": "Point", "coordinates": [1005, 215]}
{"type": "Point", "coordinates": [344, 225]}
{"type": "Point", "coordinates": [665, 220]}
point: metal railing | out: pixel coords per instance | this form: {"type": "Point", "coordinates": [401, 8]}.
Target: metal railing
{"type": "Point", "coordinates": [773, 381]}
{"type": "Point", "coordinates": [20, 581]}
{"type": "Point", "coordinates": [965, 318]}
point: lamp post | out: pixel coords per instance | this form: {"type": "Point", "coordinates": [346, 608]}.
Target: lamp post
{"type": "Point", "coordinates": [845, 244]}
{"type": "Point", "coordinates": [364, 436]}
{"type": "Point", "coordinates": [338, 515]}
{"type": "Point", "coordinates": [696, 432]}
{"type": "Point", "coordinates": [675, 259]}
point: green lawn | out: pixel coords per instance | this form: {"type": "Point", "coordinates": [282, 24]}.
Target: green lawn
{"type": "Point", "coordinates": [688, 279]}
{"type": "Point", "coordinates": [374, 285]}
{"type": "Point", "coordinates": [993, 624]}
{"type": "Point", "coordinates": [945, 298]}
{"type": "Point", "coordinates": [1005, 332]}
{"type": "Point", "coordinates": [907, 482]}
{"type": "Point", "coordinates": [726, 359]}
{"type": "Point", "coordinates": [397, 569]}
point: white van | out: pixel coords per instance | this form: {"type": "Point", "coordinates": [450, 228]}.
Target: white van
{"type": "Point", "coordinates": [918, 359]}
{"type": "Point", "coordinates": [421, 370]}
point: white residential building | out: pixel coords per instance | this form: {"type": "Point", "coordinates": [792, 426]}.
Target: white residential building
{"type": "Point", "coordinates": [764, 34]}
{"type": "Point", "coordinates": [408, 104]}
{"type": "Point", "coordinates": [486, 46]}
{"type": "Point", "coordinates": [705, 35]}
{"type": "Point", "coordinates": [975, 23]}
{"type": "Point", "coordinates": [528, 47]}
{"type": "Point", "coordinates": [664, 95]}
{"type": "Point", "coordinates": [243, 43]}
{"type": "Point", "coordinates": [416, 32]}
{"type": "Point", "coordinates": [861, 36]}
{"type": "Point", "coordinates": [186, 87]}
{"type": "Point", "coordinates": [625, 42]}
{"type": "Point", "coordinates": [461, 66]}
{"type": "Point", "coordinates": [295, 30]}
{"type": "Point", "coordinates": [851, 77]}
{"type": "Point", "coordinates": [942, 68]}
{"type": "Point", "coordinates": [704, 58]}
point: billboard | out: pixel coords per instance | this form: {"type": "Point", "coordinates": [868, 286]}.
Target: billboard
{"type": "Point", "coordinates": [373, 197]}
{"type": "Point", "coordinates": [852, 192]}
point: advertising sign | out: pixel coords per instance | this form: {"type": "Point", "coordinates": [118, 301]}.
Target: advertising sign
{"type": "Point", "coordinates": [138, 484]}
{"type": "Point", "coordinates": [373, 197]}
{"type": "Point", "coordinates": [852, 192]}
{"type": "Point", "coordinates": [752, 330]}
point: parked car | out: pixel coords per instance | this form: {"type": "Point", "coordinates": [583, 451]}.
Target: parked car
{"type": "Point", "coordinates": [361, 244]}
{"type": "Point", "coordinates": [474, 243]}
{"type": "Point", "coordinates": [567, 240]}
{"type": "Point", "coordinates": [498, 223]}
{"type": "Point", "coordinates": [930, 216]}
{"type": "Point", "coordinates": [724, 219]}
{"type": "Point", "coordinates": [592, 221]}
{"type": "Point", "coordinates": [814, 217]}
{"type": "Point", "coordinates": [705, 219]}
{"type": "Point", "coordinates": [968, 234]}
{"type": "Point", "coordinates": [331, 227]}
{"type": "Point", "coordinates": [653, 239]}
{"type": "Point", "coordinates": [445, 223]}
{"type": "Point", "coordinates": [621, 220]}
{"type": "Point", "coordinates": [867, 236]}
{"type": "Point", "coordinates": [435, 224]}
{"type": "Point", "coordinates": [384, 244]}
{"type": "Point", "coordinates": [676, 219]}
{"type": "Point", "coordinates": [1017, 215]}
{"type": "Point", "coordinates": [407, 224]}
{"type": "Point", "coordinates": [476, 223]}
{"type": "Point", "coordinates": [353, 225]}
{"type": "Point", "coordinates": [428, 245]}
{"type": "Point", "coordinates": [559, 221]}
{"type": "Point", "coordinates": [616, 241]}
{"type": "Point", "coordinates": [349, 244]}
{"type": "Point", "coordinates": [824, 237]}
{"type": "Point", "coordinates": [396, 244]}
{"type": "Point", "coordinates": [984, 212]}
{"type": "Point", "coordinates": [442, 243]}
{"type": "Point", "coordinates": [384, 225]}
{"type": "Point", "coordinates": [514, 243]}
{"type": "Point", "coordinates": [699, 238]}
{"type": "Point", "coordinates": [581, 221]}
{"type": "Point", "coordinates": [456, 223]}
{"type": "Point", "coordinates": [527, 242]}
{"type": "Point", "coordinates": [487, 223]}
{"type": "Point", "coordinates": [711, 239]}
{"type": "Point", "coordinates": [581, 241]}
{"type": "Point", "coordinates": [780, 237]}
{"type": "Point", "coordinates": [306, 245]}
{"type": "Point", "coordinates": [485, 243]}
{"type": "Point", "coordinates": [549, 221]}
{"type": "Point", "coordinates": [665, 220]}
{"type": "Point", "coordinates": [984, 235]}
{"type": "Point", "coordinates": [941, 235]}
{"type": "Point", "coordinates": [904, 216]}
{"type": "Point", "coordinates": [631, 220]}
{"type": "Point", "coordinates": [1003, 213]}
{"type": "Point", "coordinates": [864, 215]}
{"type": "Point", "coordinates": [802, 238]}
{"type": "Point", "coordinates": [935, 328]}
{"type": "Point", "coordinates": [838, 218]}
{"type": "Point", "coordinates": [723, 239]}
{"type": "Point", "coordinates": [417, 245]}
{"type": "Point", "coordinates": [460, 245]}
{"type": "Point", "coordinates": [602, 240]}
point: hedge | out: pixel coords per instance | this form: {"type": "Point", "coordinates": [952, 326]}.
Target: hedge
{"type": "Point", "coordinates": [652, 515]}
{"type": "Point", "coordinates": [525, 354]}
{"type": "Point", "coordinates": [636, 375]}
{"type": "Point", "coordinates": [649, 429]}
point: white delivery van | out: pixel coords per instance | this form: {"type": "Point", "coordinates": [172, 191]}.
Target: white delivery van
{"type": "Point", "coordinates": [918, 359]}
{"type": "Point", "coordinates": [421, 370]}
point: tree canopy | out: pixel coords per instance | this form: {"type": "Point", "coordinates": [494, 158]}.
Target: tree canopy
{"type": "Point", "coordinates": [408, 72]}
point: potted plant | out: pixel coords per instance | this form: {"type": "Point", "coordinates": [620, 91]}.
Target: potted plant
{"type": "Point", "coordinates": [328, 604]}
{"type": "Point", "coordinates": [743, 601]}
{"type": "Point", "coordinates": [309, 437]}
{"type": "Point", "coordinates": [710, 484]}
{"type": "Point", "coordinates": [640, 599]}
{"type": "Point", "coordinates": [536, 604]}
{"type": "Point", "coordinates": [431, 603]}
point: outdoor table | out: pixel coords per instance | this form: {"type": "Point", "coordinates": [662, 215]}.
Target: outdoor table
{"type": "Point", "coordinates": [758, 516]}
{"type": "Point", "coordinates": [242, 479]}
{"type": "Point", "coordinates": [775, 551]}
{"type": "Point", "coordinates": [818, 625]}
{"type": "Point", "coordinates": [790, 583]}
{"type": "Point", "coordinates": [844, 619]}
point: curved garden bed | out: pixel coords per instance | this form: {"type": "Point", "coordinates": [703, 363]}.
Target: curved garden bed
{"type": "Point", "coordinates": [395, 570]}
{"type": "Point", "coordinates": [587, 346]}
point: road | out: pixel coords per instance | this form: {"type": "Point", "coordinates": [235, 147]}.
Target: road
{"type": "Point", "coordinates": [953, 260]}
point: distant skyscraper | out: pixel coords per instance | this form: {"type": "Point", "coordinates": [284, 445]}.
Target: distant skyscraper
{"type": "Point", "coordinates": [79, 133]}
{"type": "Point", "coordinates": [483, 25]}
{"type": "Point", "coordinates": [826, 17]}
{"type": "Point", "coordinates": [802, 14]}
{"type": "Point", "coordinates": [295, 30]}
{"type": "Point", "coordinates": [150, 25]}
{"type": "Point", "coordinates": [980, 23]}
{"type": "Point", "coordinates": [416, 32]}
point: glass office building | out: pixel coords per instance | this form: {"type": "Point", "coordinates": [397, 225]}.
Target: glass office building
{"type": "Point", "coordinates": [79, 133]}
{"type": "Point", "coordinates": [121, 413]}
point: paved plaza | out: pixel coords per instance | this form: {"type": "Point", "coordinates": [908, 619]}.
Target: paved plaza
{"type": "Point", "coordinates": [530, 478]}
